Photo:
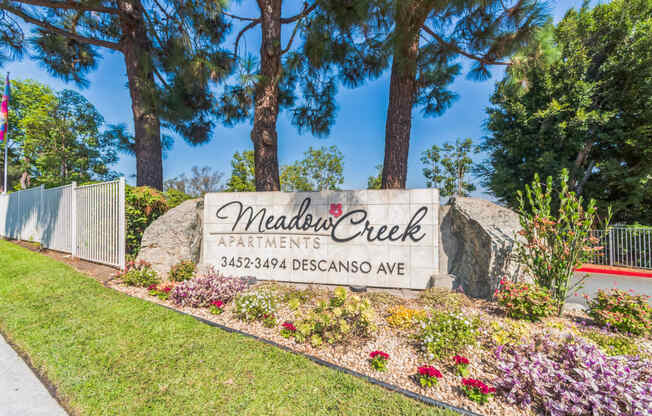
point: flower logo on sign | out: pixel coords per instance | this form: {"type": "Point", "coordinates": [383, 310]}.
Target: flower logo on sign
{"type": "Point", "coordinates": [336, 210]}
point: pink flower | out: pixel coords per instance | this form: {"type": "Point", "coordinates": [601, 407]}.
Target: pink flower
{"type": "Point", "coordinates": [459, 360]}
{"type": "Point", "coordinates": [336, 210]}
{"type": "Point", "coordinates": [217, 303]}
{"type": "Point", "coordinates": [429, 371]}
{"type": "Point", "coordinates": [289, 326]}
{"type": "Point", "coordinates": [382, 355]}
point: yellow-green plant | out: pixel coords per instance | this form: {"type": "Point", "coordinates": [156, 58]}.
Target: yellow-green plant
{"type": "Point", "coordinates": [403, 317]}
{"type": "Point", "coordinates": [336, 319]}
{"type": "Point", "coordinates": [509, 332]}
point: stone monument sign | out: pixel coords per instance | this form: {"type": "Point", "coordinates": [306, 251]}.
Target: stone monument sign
{"type": "Point", "coordinates": [380, 238]}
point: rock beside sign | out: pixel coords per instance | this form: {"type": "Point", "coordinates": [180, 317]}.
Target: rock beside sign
{"type": "Point", "coordinates": [173, 237]}
{"type": "Point", "coordinates": [477, 245]}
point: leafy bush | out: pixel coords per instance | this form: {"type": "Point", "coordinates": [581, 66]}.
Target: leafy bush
{"type": "Point", "coordinates": [428, 376]}
{"type": "Point", "coordinates": [161, 293]}
{"type": "Point", "coordinates": [445, 333]}
{"type": "Point", "coordinates": [438, 297]}
{"type": "Point", "coordinates": [202, 291]}
{"type": "Point", "coordinates": [378, 360]}
{"type": "Point", "coordinates": [174, 197]}
{"type": "Point", "coordinates": [621, 311]}
{"type": "Point", "coordinates": [554, 245]}
{"type": "Point", "coordinates": [461, 365]}
{"type": "Point", "coordinates": [184, 270]}
{"type": "Point", "coordinates": [139, 274]}
{"type": "Point", "coordinates": [613, 344]}
{"type": "Point", "coordinates": [142, 206]}
{"type": "Point", "coordinates": [288, 329]}
{"type": "Point", "coordinates": [509, 332]}
{"type": "Point", "coordinates": [525, 301]}
{"type": "Point", "coordinates": [405, 318]}
{"type": "Point", "coordinates": [217, 307]}
{"type": "Point", "coordinates": [334, 321]}
{"type": "Point", "coordinates": [476, 390]}
{"type": "Point", "coordinates": [254, 306]}
{"type": "Point", "coordinates": [574, 377]}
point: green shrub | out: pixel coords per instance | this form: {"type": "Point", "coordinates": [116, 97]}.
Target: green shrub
{"type": "Point", "coordinates": [441, 298]}
{"type": "Point", "coordinates": [184, 270]}
{"type": "Point", "coordinates": [254, 306]}
{"type": "Point", "coordinates": [554, 244]}
{"type": "Point", "coordinates": [525, 301]}
{"type": "Point", "coordinates": [621, 311]}
{"type": "Point", "coordinates": [174, 197]}
{"type": "Point", "coordinates": [139, 274]}
{"type": "Point", "coordinates": [142, 206]}
{"type": "Point", "coordinates": [335, 320]}
{"type": "Point", "coordinates": [446, 333]}
{"type": "Point", "coordinates": [613, 344]}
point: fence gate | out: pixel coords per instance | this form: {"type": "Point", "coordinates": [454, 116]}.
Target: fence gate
{"type": "Point", "coordinates": [86, 221]}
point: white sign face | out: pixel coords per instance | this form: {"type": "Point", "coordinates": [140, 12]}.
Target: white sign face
{"type": "Point", "coordinates": [378, 238]}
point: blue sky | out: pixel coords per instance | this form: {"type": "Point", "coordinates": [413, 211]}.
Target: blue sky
{"type": "Point", "coordinates": [358, 131]}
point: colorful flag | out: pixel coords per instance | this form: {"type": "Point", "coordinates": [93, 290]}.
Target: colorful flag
{"type": "Point", "coordinates": [4, 111]}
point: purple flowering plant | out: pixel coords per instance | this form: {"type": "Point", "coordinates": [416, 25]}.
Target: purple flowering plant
{"type": "Point", "coordinates": [572, 377]}
{"type": "Point", "coordinates": [204, 290]}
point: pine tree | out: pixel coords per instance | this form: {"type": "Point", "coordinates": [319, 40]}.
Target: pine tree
{"type": "Point", "coordinates": [268, 83]}
{"type": "Point", "coordinates": [171, 51]}
{"type": "Point", "coordinates": [424, 38]}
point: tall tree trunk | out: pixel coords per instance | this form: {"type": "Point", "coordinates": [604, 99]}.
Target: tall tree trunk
{"type": "Point", "coordinates": [147, 127]}
{"type": "Point", "coordinates": [266, 105]}
{"type": "Point", "coordinates": [402, 92]}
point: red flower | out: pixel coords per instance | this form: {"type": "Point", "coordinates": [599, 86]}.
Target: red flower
{"type": "Point", "coordinates": [479, 385]}
{"type": "Point", "coordinates": [151, 287]}
{"type": "Point", "coordinates": [382, 355]}
{"type": "Point", "coordinates": [460, 360]}
{"type": "Point", "coordinates": [336, 210]}
{"type": "Point", "coordinates": [289, 326]}
{"type": "Point", "coordinates": [429, 371]}
{"type": "Point", "coordinates": [167, 289]}
{"type": "Point", "coordinates": [217, 303]}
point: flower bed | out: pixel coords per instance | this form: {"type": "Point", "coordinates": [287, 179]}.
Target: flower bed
{"type": "Point", "coordinates": [478, 331]}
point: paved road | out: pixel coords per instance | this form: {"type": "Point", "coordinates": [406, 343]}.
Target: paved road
{"type": "Point", "coordinates": [595, 281]}
{"type": "Point", "coordinates": [21, 392]}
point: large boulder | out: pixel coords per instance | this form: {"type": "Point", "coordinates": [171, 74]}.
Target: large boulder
{"type": "Point", "coordinates": [173, 237]}
{"type": "Point", "coordinates": [477, 245]}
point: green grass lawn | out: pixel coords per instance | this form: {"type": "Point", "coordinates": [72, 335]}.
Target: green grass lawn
{"type": "Point", "coordinates": [110, 354]}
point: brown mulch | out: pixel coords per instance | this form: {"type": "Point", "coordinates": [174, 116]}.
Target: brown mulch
{"type": "Point", "coordinates": [99, 272]}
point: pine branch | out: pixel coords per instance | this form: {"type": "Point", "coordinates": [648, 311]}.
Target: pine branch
{"type": "Point", "coordinates": [306, 11]}
{"type": "Point", "coordinates": [242, 32]}
{"type": "Point", "coordinates": [67, 5]}
{"type": "Point", "coordinates": [452, 45]}
{"type": "Point", "coordinates": [294, 32]}
{"type": "Point", "coordinates": [54, 29]}
{"type": "Point", "coordinates": [246, 19]}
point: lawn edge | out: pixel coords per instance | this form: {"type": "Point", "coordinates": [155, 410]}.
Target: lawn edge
{"type": "Point", "coordinates": [51, 387]}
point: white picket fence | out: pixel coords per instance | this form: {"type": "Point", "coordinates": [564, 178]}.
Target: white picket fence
{"type": "Point", "coordinates": [86, 221]}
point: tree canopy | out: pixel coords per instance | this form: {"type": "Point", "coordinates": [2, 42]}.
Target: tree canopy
{"type": "Point", "coordinates": [319, 170]}
{"type": "Point", "coordinates": [172, 52]}
{"type": "Point", "coordinates": [579, 98]}
{"type": "Point", "coordinates": [57, 137]}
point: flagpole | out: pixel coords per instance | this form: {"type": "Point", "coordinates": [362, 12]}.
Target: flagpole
{"type": "Point", "coordinates": [4, 188]}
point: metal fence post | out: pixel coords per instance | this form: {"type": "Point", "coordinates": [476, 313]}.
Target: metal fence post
{"type": "Point", "coordinates": [122, 237]}
{"type": "Point", "coordinates": [611, 247]}
{"type": "Point", "coordinates": [73, 219]}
